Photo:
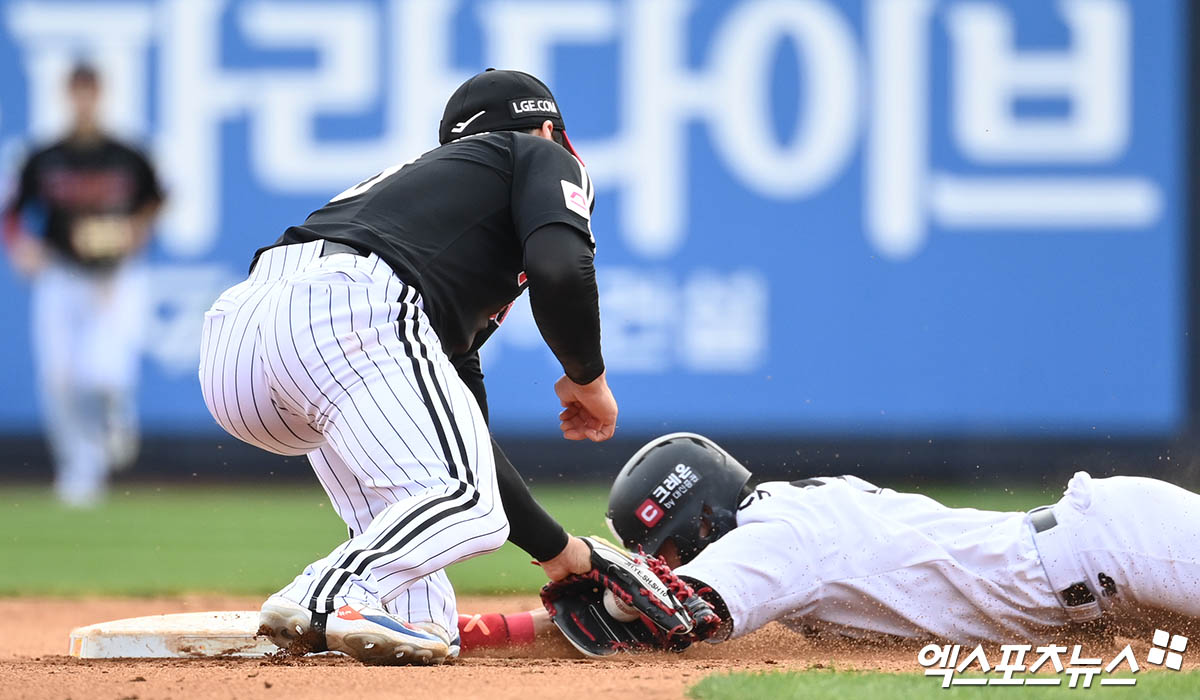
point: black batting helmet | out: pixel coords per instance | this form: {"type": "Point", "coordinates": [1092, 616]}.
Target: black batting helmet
{"type": "Point", "coordinates": [669, 487]}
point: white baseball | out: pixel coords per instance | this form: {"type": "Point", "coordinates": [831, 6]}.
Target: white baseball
{"type": "Point", "coordinates": [619, 610]}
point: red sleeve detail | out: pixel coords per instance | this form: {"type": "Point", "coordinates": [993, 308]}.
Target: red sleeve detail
{"type": "Point", "coordinates": [480, 631]}
{"type": "Point", "coordinates": [520, 628]}
{"type": "Point", "coordinates": [495, 630]}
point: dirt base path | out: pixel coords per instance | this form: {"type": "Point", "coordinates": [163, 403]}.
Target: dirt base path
{"type": "Point", "coordinates": [34, 664]}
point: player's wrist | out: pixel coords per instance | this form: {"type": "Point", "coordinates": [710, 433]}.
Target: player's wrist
{"type": "Point", "coordinates": [575, 558]}
{"type": "Point", "coordinates": [597, 383]}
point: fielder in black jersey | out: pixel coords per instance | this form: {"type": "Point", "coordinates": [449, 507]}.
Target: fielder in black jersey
{"type": "Point", "coordinates": [469, 224]}
{"type": "Point", "coordinates": [326, 351]}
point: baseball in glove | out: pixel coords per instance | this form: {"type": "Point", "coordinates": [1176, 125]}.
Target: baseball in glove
{"type": "Point", "coordinates": [664, 612]}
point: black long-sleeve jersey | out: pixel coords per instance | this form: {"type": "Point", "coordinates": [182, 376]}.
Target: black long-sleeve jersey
{"type": "Point", "coordinates": [455, 224]}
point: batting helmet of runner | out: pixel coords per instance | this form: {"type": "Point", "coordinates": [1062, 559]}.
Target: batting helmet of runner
{"type": "Point", "coordinates": [680, 488]}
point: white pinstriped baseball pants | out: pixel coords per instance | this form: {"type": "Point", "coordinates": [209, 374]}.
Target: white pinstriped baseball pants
{"type": "Point", "coordinates": [334, 357]}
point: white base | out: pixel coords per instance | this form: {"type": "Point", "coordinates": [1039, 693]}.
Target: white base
{"type": "Point", "coordinates": [182, 635]}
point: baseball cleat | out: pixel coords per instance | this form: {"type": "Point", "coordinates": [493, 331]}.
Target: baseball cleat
{"type": "Point", "coordinates": [287, 625]}
{"type": "Point", "coordinates": [453, 646]}
{"type": "Point", "coordinates": [362, 631]}
{"type": "Point", "coordinates": [373, 636]}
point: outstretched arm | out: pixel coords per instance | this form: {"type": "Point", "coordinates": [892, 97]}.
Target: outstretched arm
{"type": "Point", "coordinates": [497, 631]}
{"type": "Point", "coordinates": [552, 201]}
{"type": "Point", "coordinates": [530, 527]}
{"type": "Point", "coordinates": [564, 299]}
{"type": "Point", "coordinates": [565, 304]}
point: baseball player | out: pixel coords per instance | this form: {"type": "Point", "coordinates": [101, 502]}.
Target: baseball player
{"type": "Point", "coordinates": [841, 555]}
{"type": "Point", "coordinates": [356, 341]}
{"type": "Point", "coordinates": [95, 198]}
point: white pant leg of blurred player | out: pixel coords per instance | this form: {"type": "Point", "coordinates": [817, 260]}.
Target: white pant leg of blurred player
{"type": "Point", "coordinates": [87, 338]}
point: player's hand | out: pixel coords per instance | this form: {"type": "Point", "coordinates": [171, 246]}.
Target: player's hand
{"type": "Point", "coordinates": [589, 410]}
{"type": "Point", "coordinates": [576, 558]}
{"type": "Point", "coordinates": [28, 255]}
{"type": "Point", "coordinates": [105, 237]}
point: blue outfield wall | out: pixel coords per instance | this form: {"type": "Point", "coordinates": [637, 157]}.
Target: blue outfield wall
{"type": "Point", "coordinates": [887, 219]}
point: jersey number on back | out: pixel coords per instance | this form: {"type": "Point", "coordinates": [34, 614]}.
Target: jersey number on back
{"type": "Point", "coordinates": [369, 182]}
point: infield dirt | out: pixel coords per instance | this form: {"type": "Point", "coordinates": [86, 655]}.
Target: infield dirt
{"type": "Point", "coordinates": [34, 664]}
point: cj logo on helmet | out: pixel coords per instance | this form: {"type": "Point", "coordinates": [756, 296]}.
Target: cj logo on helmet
{"type": "Point", "coordinates": [649, 513]}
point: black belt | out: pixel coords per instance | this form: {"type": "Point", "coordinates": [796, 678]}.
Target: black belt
{"type": "Point", "coordinates": [335, 248]}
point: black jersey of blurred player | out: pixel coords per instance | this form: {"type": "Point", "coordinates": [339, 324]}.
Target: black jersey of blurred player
{"type": "Point", "coordinates": [453, 223]}
{"type": "Point", "coordinates": [70, 180]}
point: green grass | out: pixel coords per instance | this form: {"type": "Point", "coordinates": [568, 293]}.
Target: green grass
{"type": "Point", "coordinates": [179, 538]}
{"type": "Point", "coordinates": [151, 540]}
{"type": "Point", "coordinates": [789, 685]}
{"type": "Point", "coordinates": [174, 538]}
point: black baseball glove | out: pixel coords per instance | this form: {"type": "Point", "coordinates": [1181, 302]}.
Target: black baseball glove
{"type": "Point", "coordinates": [669, 614]}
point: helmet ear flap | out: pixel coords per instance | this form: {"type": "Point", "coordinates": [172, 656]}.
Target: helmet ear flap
{"type": "Point", "coordinates": [716, 523]}
{"type": "Point", "coordinates": [706, 522]}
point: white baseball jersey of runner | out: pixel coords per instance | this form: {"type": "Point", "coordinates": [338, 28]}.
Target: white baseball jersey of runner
{"type": "Point", "coordinates": [841, 555]}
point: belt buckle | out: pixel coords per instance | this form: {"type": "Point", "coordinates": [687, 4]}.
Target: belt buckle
{"type": "Point", "coordinates": [1042, 519]}
{"type": "Point", "coordinates": [1076, 599]}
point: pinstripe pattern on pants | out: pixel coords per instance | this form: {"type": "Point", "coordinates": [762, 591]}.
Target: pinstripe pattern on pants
{"type": "Point", "coordinates": [334, 357]}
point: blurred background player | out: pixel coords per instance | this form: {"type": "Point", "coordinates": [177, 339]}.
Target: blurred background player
{"type": "Point", "coordinates": [91, 200]}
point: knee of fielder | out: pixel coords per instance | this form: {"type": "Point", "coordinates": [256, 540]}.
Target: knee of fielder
{"type": "Point", "coordinates": [491, 521]}
{"type": "Point", "coordinates": [483, 526]}
{"type": "Point", "coordinates": [493, 524]}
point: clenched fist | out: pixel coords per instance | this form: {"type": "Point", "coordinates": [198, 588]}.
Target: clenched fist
{"type": "Point", "coordinates": [589, 410]}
